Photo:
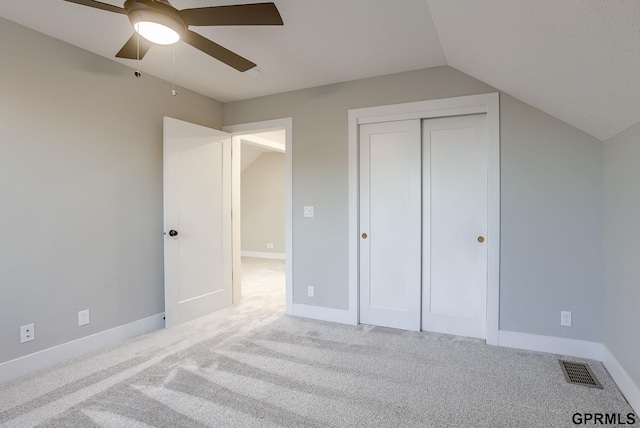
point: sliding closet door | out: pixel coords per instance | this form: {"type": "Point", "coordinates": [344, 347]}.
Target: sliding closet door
{"type": "Point", "coordinates": [455, 225]}
{"type": "Point", "coordinates": [390, 205]}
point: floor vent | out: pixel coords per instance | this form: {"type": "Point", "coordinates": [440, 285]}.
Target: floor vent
{"type": "Point", "coordinates": [579, 374]}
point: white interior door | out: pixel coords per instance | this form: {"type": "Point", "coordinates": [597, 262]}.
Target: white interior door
{"type": "Point", "coordinates": [197, 206]}
{"type": "Point", "coordinates": [455, 225]}
{"type": "Point", "coordinates": [390, 224]}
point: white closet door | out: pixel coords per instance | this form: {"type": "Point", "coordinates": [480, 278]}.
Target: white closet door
{"type": "Point", "coordinates": [455, 225]}
{"type": "Point", "coordinates": [390, 219]}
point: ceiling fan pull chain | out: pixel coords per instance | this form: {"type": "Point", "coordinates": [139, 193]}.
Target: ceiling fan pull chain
{"type": "Point", "coordinates": [137, 72]}
{"type": "Point", "coordinates": [173, 70]}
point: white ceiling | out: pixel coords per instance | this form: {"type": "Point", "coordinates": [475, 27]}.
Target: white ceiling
{"type": "Point", "coordinates": [578, 60]}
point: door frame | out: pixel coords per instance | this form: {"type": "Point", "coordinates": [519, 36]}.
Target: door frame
{"type": "Point", "coordinates": [236, 132]}
{"type": "Point", "coordinates": [458, 106]}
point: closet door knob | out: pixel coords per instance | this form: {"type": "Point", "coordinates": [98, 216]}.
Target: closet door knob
{"type": "Point", "coordinates": [364, 236]}
{"type": "Point", "coordinates": [481, 239]}
{"type": "Point", "coordinates": [173, 232]}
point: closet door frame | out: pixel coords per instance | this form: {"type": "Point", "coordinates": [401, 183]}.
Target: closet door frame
{"type": "Point", "coordinates": [458, 106]}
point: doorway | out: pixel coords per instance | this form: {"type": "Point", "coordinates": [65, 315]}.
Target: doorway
{"type": "Point", "coordinates": [262, 195]}
{"type": "Point", "coordinates": [262, 142]}
{"type": "Point", "coordinates": [485, 239]}
{"type": "Point", "coordinates": [262, 213]}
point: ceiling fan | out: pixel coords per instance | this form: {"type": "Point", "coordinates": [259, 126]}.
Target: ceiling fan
{"type": "Point", "coordinates": [160, 23]}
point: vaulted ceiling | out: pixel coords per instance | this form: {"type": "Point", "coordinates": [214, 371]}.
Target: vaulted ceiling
{"type": "Point", "coordinates": [578, 60]}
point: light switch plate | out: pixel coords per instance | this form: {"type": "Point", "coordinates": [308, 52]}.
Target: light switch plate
{"type": "Point", "coordinates": [309, 211]}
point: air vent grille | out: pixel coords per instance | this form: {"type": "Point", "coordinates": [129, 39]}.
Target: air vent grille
{"type": "Point", "coordinates": [579, 374]}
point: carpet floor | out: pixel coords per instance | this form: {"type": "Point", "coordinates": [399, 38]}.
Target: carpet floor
{"type": "Point", "coordinates": [250, 365]}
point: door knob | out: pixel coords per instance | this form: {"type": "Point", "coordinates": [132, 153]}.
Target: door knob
{"type": "Point", "coordinates": [364, 236]}
{"type": "Point", "coordinates": [481, 239]}
{"type": "Point", "coordinates": [173, 232]}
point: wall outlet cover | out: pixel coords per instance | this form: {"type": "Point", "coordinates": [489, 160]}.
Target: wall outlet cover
{"type": "Point", "coordinates": [27, 333]}
{"type": "Point", "coordinates": [311, 291]}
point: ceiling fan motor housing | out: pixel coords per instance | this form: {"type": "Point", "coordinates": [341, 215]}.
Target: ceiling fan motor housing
{"type": "Point", "coordinates": [154, 11]}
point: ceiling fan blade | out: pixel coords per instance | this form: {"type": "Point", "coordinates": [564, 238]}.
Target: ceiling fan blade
{"type": "Point", "coordinates": [218, 52]}
{"type": "Point", "coordinates": [99, 5]}
{"type": "Point", "coordinates": [130, 49]}
{"type": "Point", "coordinates": [242, 14]}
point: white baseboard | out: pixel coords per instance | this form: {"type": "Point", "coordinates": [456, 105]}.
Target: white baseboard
{"type": "Point", "coordinates": [627, 386]}
{"type": "Point", "coordinates": [553, 345]}
{"type": "Point", "coordinates": [260, 255]}
{"type": "Point", "coordinates": [323, 314]}
{"type": "Point", "coordinates": [48, 357]}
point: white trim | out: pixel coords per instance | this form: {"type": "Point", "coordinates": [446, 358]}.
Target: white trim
{"type": "Point", "coordinates": [552, 345]}
{"type": "Point", "coordinates": [322, 313]}
{"type": "Point", "coordinates": [264, 126]}
{"type": "Point", "coordinates": [627, 386]}
{"type": "Point", "coordinates": [456, 106]}
{"type": "Point", "coordinates": [48, 357]}
{"type": "Point", "coordinates": [484, 103]}
{"type": "Point", "coordinates": [493, 219]}
{"type": "Point", "coordinates": [263, 255]}
{"type": "Point", "coordinates": [354, 217]}
{"type": "Point", "coordinates": [236, 226]}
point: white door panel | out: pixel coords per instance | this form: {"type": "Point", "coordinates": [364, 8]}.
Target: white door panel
{"type": "Point", "coordinates": [197, 204]}
{"type": "Point", "coordinates": [454, 216]}
{"type": "Point", "coordinates": [390, 217]}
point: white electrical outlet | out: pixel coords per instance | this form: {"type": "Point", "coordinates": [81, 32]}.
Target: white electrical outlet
{"type": "Point", "coordinates": [311, 292]}
{"type": "Point", "coordinates": [270, 245]}
{"type": "Point", "coordinates": [27, 333]}
{"type": "Point", "coordinates": [83, 317]}
{"type": "Point", "coordinates": [565, 318]}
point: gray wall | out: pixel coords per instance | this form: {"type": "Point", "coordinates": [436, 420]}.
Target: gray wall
{"type": "Point", "coordinates": [551, 225]}
{"type": "Point", "coordinates": [81, 189]}
{"type": "Point", "coordinates": [263, 204]}
{"type": "Point", "coordinates": [622, 248]}
{"type": "Point", "coordinates": [552, 181]}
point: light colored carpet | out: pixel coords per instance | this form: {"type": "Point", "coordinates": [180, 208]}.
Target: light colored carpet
{"type": "Point", "coordinates": [252, 366]}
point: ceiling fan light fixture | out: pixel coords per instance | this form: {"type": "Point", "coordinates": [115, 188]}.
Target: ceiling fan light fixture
{"type": "Point", "coordinates": [159, 28]}
{"type": "Point", "coordinates": [157, 33]}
